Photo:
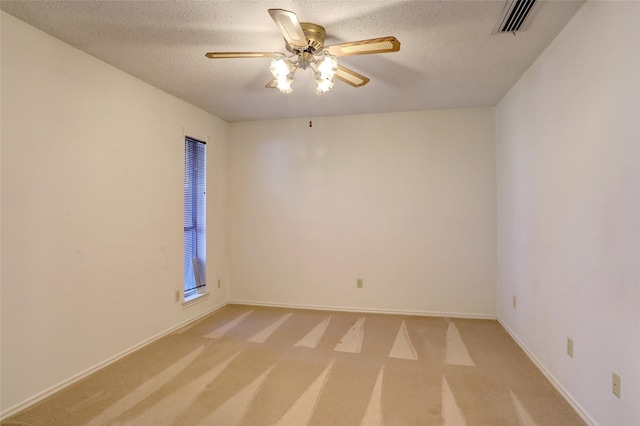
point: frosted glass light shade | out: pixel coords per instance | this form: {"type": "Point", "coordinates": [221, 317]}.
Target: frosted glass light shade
{"type": "Point", "coordinates": [327, 67]}
{"type": "Point", "coordinates": [279, 68]}
{"type": "Point", "coordinates": [323, 85]}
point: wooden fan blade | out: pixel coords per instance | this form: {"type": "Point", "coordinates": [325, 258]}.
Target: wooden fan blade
{"type": "Point", "coordinates": [222, 55]}
{"type": "Point", "coordinates": [351, 77]}
{"type": "Point", "coordinates": [289, 27]}
{"type": "Point", "coordinates": [272, 84]}
{"type": "Point", "coordinates": [365, 47]}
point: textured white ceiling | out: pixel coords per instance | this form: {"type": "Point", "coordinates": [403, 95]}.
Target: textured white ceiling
{"type": "Point", "coordinates": [449, 58]}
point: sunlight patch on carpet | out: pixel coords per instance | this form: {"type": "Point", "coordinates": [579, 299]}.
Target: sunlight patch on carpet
{"type": "Point", "coordinates": [263, 335]}
{"type": "Point", "coordinates": [457, 353]}
{"type": "Point", "coordinates": [168, 408]}
{"type": "Point", "coordinates": [402, 346]}
{"type": "Point", "coordinates": [451, 413]}
{"type": "Point", "coordinates": [234, 409]}
{"type": "Point", "coordinates": [301, 411]}
{"type": "Point", "coordinates": [373, 414]}
{"type": "Point", "coordinates": [312, 338]}
{"type": "Point", "coordinates": [224, 329]}
{"type": "Point", "coordinates": [352, 341]}
{"type": "Point", "coordinates": [144, 390]}
{"type": "Point", "coordinates": [523, 415]}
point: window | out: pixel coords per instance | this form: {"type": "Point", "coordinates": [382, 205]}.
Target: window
{"type": "Point", "coordinates": [195, 235]}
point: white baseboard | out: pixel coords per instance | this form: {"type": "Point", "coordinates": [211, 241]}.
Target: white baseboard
{"type": "Point", "coordinates": [68, 382]}
{"type": "Point", "coordinates": [555, 383]}
{"type": "Point", "coordinates": [364, 310]}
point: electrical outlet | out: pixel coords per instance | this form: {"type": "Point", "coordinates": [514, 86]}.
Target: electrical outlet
{"type": "Point", "coordinates": [359, 284]}
{"type": "Point", "coordinates": [219, 283]}
{"type": "Point", "coordinates": [615, 384]}
{"type": "Point", "coordinates": [177, 295]}
{"type": "Point", "coordinates": [514, 302]}
{"type": "Point", "coordinates": [570, 347]}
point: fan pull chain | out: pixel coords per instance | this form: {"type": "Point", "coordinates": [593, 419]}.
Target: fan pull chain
{"type": "Point", "coordinates": [310, 85]}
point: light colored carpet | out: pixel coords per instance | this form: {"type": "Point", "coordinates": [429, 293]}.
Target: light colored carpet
{"type": "Point", "coordinates": [247, 365]}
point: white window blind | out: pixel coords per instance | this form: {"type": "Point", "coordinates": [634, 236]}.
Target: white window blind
{"type": "Point", "coordinates": [195, 189]}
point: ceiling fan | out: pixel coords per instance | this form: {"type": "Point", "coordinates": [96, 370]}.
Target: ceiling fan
{"type": "Point", "coordinates": [305, 43]}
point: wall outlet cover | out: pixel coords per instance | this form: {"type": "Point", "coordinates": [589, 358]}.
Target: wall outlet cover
{"type": "Point", "coordinates": [616, 386]}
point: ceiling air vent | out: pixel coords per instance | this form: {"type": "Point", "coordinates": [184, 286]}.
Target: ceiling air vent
{"type": "Point", "coordinates": [514, 15]}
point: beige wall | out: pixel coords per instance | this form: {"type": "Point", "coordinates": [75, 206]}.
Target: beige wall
{"type": "Point", "coordinates": [568, 139]}
{"type": "Point", "coordinates": [405, 201]}
{"type": "Point", "coordinates": [92, 181]}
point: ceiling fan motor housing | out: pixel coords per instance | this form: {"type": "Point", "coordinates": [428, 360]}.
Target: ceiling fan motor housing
{"type": "Point", "coordinates": [315, 35]}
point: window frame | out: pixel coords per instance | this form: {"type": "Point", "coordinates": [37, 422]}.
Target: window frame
{"type": "Point", "coordinates": [194, 219]}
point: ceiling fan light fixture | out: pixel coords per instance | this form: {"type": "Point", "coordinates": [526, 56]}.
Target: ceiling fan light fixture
{"type": "Point", "coordinates": [283, 73]}
{"type": "Point", "coordinates": [305, 41]}
{"type": "Point", "coordinates": [323, 85]}
{"type": "Point", "coordinates": [327, 66]}
{"type": "Point", "coordinates": [280, 67]}
{"type": "Point", "coordinates": [284, 85]}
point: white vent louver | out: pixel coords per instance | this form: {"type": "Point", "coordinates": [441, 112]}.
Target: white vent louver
{"type": "Point", "coordinates": [514, 15]}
